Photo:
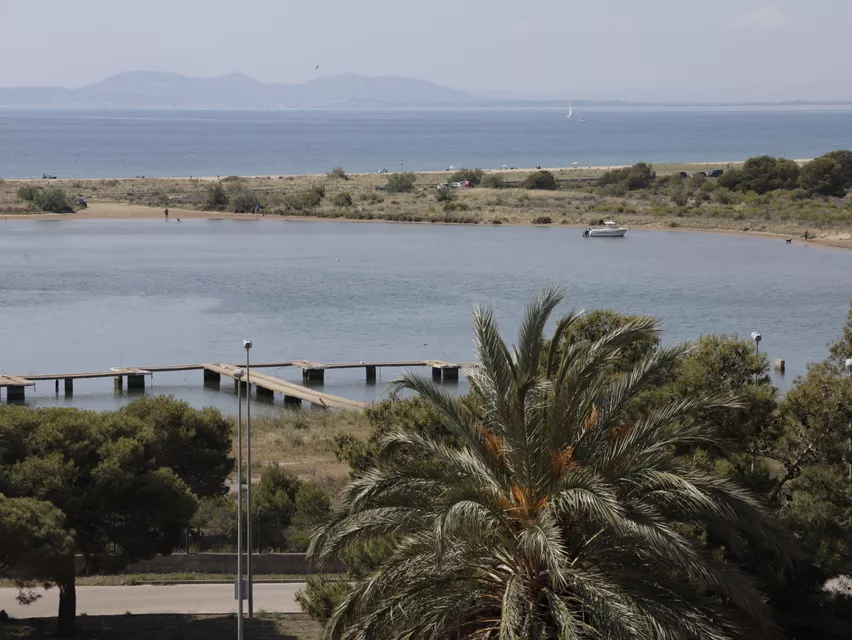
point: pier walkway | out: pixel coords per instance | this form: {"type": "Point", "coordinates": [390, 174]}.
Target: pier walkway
{"type": "Point", "coordinates": [312, 372]}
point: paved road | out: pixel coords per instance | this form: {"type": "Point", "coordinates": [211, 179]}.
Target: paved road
{"type": "Point", "coordinates": [201, 598]}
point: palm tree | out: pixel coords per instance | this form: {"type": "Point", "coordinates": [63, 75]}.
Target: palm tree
{"type": "Point", "coordinates": [552, 511]}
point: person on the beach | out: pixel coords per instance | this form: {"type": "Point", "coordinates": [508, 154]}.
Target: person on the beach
{"type": "Point", "coordinates": [806, 234]}
{"type": "Point", "coordinates": [167, 215]}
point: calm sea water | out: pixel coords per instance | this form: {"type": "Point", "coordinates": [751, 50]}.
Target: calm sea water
{"type": "Point", "coordinates": [103, 144]}
{"type": "Point", "coordinates": [85, 295]}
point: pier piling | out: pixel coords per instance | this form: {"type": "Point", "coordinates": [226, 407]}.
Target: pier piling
{"type": "Point", "coordinates": [69, 386]}
{"type": "Point", "coordinates": [15, 394]}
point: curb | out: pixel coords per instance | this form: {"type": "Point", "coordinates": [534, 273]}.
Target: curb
{"type": "Point", "coordinates": [166, 583]}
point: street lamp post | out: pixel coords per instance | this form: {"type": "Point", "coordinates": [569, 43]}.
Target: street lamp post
{"type": "Point", "coordinates": [247, 346]}
{"type": "Point", "coordinates": [757, 338]}
{"type": "Point", "coordinates": [238, 376]}
{"type": "Point", "coordinates": [849, 369]}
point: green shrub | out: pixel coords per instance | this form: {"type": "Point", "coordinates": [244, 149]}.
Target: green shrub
{"type": "Point", "coordinates": [639, 176]}
{"type": "Point", "coordinates": [338, 172]}
{"type": "Point", "coordinates": [617, 176]}
{"type": "Point", "coordinates": [615, 189]}
{"type": "Point", "coordinates": [232, 179]}
{"type": "Point", "coordinates": [401, 182]}
{"type": "Point", "coordinates": [342, 199]}
{"type": "Point", "coordinates": [543, 220]}
{"type": "Point", "coordinates": [445, 195]}
{"type": "Point", "coordinates": [823, 176]}
{"type": "Point", "coordinates": [544, 180]}
{"type": "Point", "coordinates": [243, 200]}
{"type": "Point", "coordinates": [762, 175]}
{"type": "Point", "coordinates": [52, 199]}
{"type": "Point", "coordinates": [474, 176]}
{"type": "Point", "coordinates": [27, 192]}
{"type": "Point", "coordinates": [217, 198]}
{"type": "Point", "coordinates": [492, 181]}
{"type": "Point", "coordinates": [302, 200]}
{"type": "Point", "coordinates": [319, 190]}
{"type": "Point", "coordinates": [844, 158]}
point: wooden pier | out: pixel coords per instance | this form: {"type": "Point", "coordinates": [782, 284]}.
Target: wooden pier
{"type": "Point", "coordinates": [133, 378]}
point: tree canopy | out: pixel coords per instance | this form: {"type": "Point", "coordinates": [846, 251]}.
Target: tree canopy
{"type": "Point", "coordinates": [555, 511]}
{"type": "Point", "coordinates": [118, 483]}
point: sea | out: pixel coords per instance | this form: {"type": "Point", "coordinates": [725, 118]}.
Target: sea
{"type": "Point", "coordinates": [127, 143]}
{"type": "Point", "coordinates": [90, 294]}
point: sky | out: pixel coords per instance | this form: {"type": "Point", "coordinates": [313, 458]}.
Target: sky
{"type": "Point", "coordinates": [651, 50]}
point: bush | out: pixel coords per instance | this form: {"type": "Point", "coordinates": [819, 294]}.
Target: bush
{"type": "Point", "coordinates": [445, 195]}
{"type": "Point", "coordinates": [639, 176]}
{"type": "Point", "coordinates": [474, 176]}
{"type": "Point", "coordinates": [679, 194]}
{"type": "Point", "coordinates": [338, 172]}
{"type": "Point", "coordinates": [540, 180]}
{"type": "Point", "coordinates": [342, 199]}
{"type": "Point", "coordinates": [232, 179]}
{"type": "Point", "coordinates": [52, 199]}
{"type": "Point", "coordinates": [217, 198]}
{"type": "Point", "coordinates": [543, 220]}
{"type": "Point", "coordinates": [319, 190]}
{"type": "Point", "coordinates": [401, 182]}
{"type": "Point", "coordinates": [823, 176]}
{"type": "Point", "coordinates": [492, 181]}
{"type": "Point", "coordinates": [616, 176]}
{"type": "Point", "coordinates": [243, 200]}
{"type": "Point", "coordinates": [762, 175]}
{"type": "Point", "coordinates": [27, 192]}
{"type": "Point", "coordinates": [844, 158]}
{"type": "Point", "coordinates": [302, 200]}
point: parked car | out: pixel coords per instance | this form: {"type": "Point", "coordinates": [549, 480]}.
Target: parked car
{"type": "Point", "coordinates": [716, 173]}
{"type": "Point", "coordinates": [683, 174]}
{"type": "Point", "coordinates": [81, 202]}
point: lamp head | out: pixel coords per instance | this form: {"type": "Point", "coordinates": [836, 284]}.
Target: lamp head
{"type": "Point", "coordinates": [238, 374]}
{"type": "Point", "coordinates": [756, 336]}
{"type": "Point", "coordinates": [247, 344]}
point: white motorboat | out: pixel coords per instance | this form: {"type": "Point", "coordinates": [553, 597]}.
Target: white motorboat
{"type": "Point", "coordinates": [608, 230]}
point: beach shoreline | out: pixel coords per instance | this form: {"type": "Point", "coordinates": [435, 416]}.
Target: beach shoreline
{"type": "Point", "coordinates": [126, 211]}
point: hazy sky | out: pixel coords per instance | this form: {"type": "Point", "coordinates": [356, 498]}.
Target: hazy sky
{"type": "Point", "coordinates": [706, 50]}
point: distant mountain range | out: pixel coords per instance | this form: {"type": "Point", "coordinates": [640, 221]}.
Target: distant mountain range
{"type": "Point", "coordinates": [160, 90]}
{"type": "Point", "coordinates": [148, 89]}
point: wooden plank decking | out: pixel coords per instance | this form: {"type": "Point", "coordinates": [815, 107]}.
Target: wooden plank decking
{"type": "Point", "coordinates": [290, 390]}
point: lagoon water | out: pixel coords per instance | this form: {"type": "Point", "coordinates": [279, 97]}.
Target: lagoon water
{"type": "Point", "coordinates": [126, 143]}
{"type": "Point", "coordinates": [86, 295]}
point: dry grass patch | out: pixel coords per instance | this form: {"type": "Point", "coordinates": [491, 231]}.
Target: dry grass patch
{"type": "Point", "coordinates": [300, 441]}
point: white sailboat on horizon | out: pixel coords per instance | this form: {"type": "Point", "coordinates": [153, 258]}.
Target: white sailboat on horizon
{"type": "Point", "coordinates": [570, 111]}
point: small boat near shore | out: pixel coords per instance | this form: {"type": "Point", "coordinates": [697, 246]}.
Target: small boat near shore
{"type": "Point", "coordinates": [609, 230]}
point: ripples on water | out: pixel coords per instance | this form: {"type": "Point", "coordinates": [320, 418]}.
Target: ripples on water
{"type": "Point", "coordinates": [85, 295]}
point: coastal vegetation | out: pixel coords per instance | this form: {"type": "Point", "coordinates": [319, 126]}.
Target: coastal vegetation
{"type": "Point", "coordinates": [763, 194]}
{"type": "Point", "coordinates": [114, 487]}
{"type": "Point", "coordinates": [669, 482]}
{"type": "Point", "coordinates": [516, 508]}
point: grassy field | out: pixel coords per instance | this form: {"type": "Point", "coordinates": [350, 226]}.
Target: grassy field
{"type": "Point", "coordinates": [300, 441]}
{"type": "Point", "coordinates": [265, 626]}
